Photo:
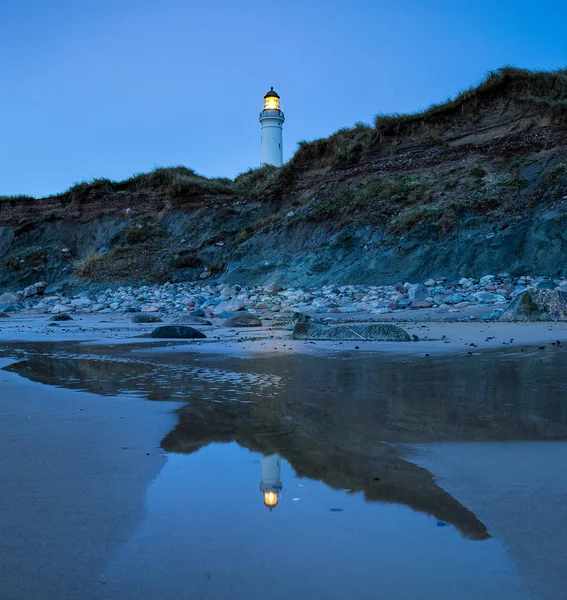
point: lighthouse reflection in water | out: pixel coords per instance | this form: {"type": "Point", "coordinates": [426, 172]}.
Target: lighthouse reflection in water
{"type": "Point", "coordinates": [271, 484]}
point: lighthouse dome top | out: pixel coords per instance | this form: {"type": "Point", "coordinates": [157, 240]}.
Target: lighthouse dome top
{"type": "Point", "coordinates": [272, 94]}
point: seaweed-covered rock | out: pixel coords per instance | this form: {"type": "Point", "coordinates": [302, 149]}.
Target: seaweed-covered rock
{"type": "Point", "coordinates": [180, 332]}
{"type": "Point", "coordinates": [145, 318]}
{"type": "Point", "coordinates": [298, 317]}
{"type": "Point", "coordinates": [357, 333]}
{"type": "Point", "coordinates": [243, 320]}
{"type": "Point", "coordinates": [537, 305]}
{"type": "Point", "coordinates": [61, 317]}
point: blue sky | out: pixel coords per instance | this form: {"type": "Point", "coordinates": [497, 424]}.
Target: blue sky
{"type": "Point", "coordinates": [114, 87]}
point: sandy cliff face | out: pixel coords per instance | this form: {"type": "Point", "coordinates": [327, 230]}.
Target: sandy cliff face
{"type": "Point", "coordinates": [476, 185]}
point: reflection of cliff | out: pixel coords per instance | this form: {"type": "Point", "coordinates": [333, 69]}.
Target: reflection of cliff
{"type": "Point", "coordinates": [330, 418]}
{"type": "Point", "coordinates": [322, 451]}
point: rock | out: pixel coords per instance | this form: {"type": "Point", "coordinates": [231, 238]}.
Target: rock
{"type": "Point", "coordinates": [143, 318]}
{"type": "Point", "coordinates": [228, 306]}
{"type": "Point", "coordinates": [486, 297]}
{"type": "Point", "coordinates": [61, 308]}
{"type": "Point", "coordinates": [453, 299]}
{"type": "Point", "coordinates": [178, 332]}
{"type": "Point", "coordinates": [4, 315]}
{"type": "Point", "coordinates": [545, 285]}
{"type": "Point", "coordinates": [493, 315]}
{"type": "Point", "coordinates": [417, 291]}
{"type": "Point", "coordinates": [298, 317]}
{"type": "Point", "coordinates": [205, 275]}
{"type": "Point", "coordinates": [272, 288]}
{"type": "Point", "coordinates": [97, 307]}
{"type": "Point", "coordinates": [197, 313]}
{"type": "Point", "coordinates": [81, 302]}
{"type": "Point", "coordinates": [486, 279]}
{"type": "Point", "coordinates": [37, 289]}
{"type": "Point", "coordinates": [9, 298]}
{"type": "Point", "coordinates": [537, 305]}
{"type": "Point", "coordinates": [61, 317]}
{"type": "Point", "coordinates": [399, 287]}
{"type": "Point", "coordinates": [189, 320]}
{"type": "Point", "coordinates": [429, 283]}
{"type": "Point", "coordinates": [421, 304]}
{"type": "Point", "coordinates": [243, 320]}
{"type": "Point", "coordinates": [6, 308]}
{"type": "Point", "coordinates": [149, 308]}
{"type": "Point", "coordinates": [357, 333]}
{"type": "Point", "coordinates": [228, 291]}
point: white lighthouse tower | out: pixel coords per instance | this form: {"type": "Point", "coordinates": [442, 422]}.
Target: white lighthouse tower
{"type": "Point", "coordinates": [271, 484]}
{"type": "Point", "coordinates": [271, 119]}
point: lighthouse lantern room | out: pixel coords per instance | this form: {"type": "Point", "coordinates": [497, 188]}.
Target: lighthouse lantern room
{"type": "Point", "coordinates": [271, 120]}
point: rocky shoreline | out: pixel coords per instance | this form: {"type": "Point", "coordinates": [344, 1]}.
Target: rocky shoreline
{"type": "Point", "coordinates": [494, 292]}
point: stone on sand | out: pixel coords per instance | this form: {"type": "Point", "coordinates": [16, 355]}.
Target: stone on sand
{"type": "Point", "coordinates": [61, 317]}
{"type": "Point", "coordinates": [243, 320]}
{"type": "Point", "coordinates": [145, 318]}
{"type": "Point", "coordinates": [180, 332]}
{"type": "Point", "coordinates": [537, 305]}
{"type": "Point", "coordinates": [356, 333]}
{"type": "Point", "coordinates": [189, 320]}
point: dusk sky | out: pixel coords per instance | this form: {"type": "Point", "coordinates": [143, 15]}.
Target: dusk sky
{"type": "Point", "coordinates": [115, 87]}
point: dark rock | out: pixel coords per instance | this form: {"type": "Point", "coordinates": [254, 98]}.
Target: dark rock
{"type": "Point", "coordinates": [145, 318]}
{"type": "Point", "coordinates": [61, 317]}
{"type": "Point", "coordinates": [243, 320]}
{"type": "Point", "coordinates": [537, 305]}
{"type": "Point", "coordinates": [180, 332]}
{"type": "Point", "coordinates": [197, 313]}
{"type": "Point", "coordinates": [545, 285]}
{"type": "Point", "coordinates": [374, 332]}
{"type": "Point", "coordinates": [189, 320]}
{"type": "Point", "coordinates": [4, 315]}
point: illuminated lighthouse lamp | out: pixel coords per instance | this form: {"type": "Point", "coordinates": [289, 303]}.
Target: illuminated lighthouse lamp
{"type": "Point", "coordinates": [271, 484]}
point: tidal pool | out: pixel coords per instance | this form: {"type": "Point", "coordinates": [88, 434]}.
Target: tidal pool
{"type": "Point", "coordinates": [331, 477]}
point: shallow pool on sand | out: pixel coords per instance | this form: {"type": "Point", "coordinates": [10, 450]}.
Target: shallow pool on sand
{"type": "Point", "coordinates": [365, 460]}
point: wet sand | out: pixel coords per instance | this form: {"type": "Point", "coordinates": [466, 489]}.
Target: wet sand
{"type": "Point", "coordinates": [74, 470]}
{"type": "Point", "coordinates": [81, 470]}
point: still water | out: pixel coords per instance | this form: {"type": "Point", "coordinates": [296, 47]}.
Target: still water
{"type": "Point", "coordinates": [301, 477]}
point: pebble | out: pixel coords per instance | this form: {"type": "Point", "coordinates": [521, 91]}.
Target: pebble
{"type": "Point", "coordinates": [210, 299]}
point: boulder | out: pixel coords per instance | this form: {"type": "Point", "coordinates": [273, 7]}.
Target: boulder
{"type": "Point", "coordinates": [4, 315]}
{"type": "Point", "coordinates": [229, 306]}
{"type": "Point", "coordinates": [145, 318]}
{"type": "Point", "coordinates": [37, 289]}
{"type": "Point", "coordinates": [272, 288]}
{"type": "Point", "coordinates": [243, 320]}
{"type": "Point", "coordinates": [61, 317]}
{"type": "Point", "coordinates": [9, 298]}
{"type": "Point", "coordinates": [537, 305]}
{"type": "Point", "coordinates": [178, 332]}
{"type": "Point", "coordinates": [417, 291]}
{"type": "Point", "coordinates": [547, 284]}
{"type": "Point", "coordinates": [6, 308]}
{"type": "Point", "coordinates": [298, 317]}
{"type": "Point", "coordinates": [355, 333]}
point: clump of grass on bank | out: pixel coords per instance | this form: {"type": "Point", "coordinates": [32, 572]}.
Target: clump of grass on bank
{"type": "Point", "coordinates": [255, 181]}
{"type": "Point", "coordinates": [545, 89]}
{"type": "Point", "coordinates": [14, 199]}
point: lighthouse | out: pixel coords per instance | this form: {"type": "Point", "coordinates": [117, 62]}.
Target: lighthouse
{"type": "Point", "coordinates": [271, 484]}
{"type": "Point", "coordinates": [271, 119]}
